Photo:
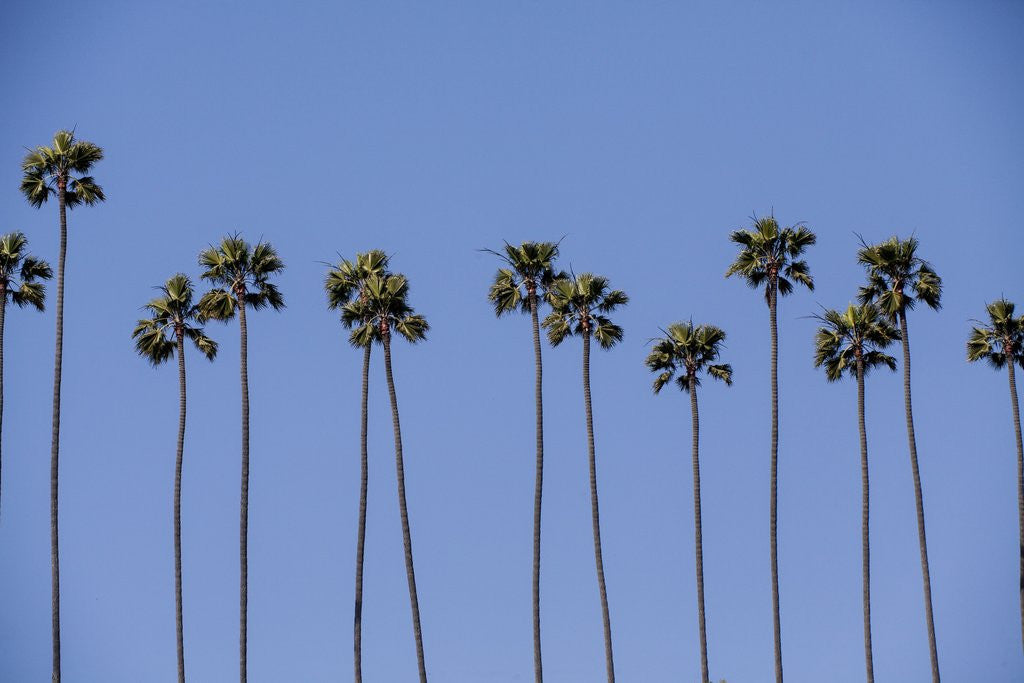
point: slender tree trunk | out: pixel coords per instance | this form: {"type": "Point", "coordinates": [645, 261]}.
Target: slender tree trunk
{"type": "Point", "coordinates": [177, 508]}
{"type": "Point", "coordinates": [773, 515]}
{"type": "Point", "coordinates": [243, 530]}
{"type": "Point", "coordinates": [3, 312]}
{"type": "Point", "coordinates": [919, 500]}
{"type": "Point", "coordinates": [698, 536]}
{"type": "Point", "coordinates": [1020, 476]}
{"type": "Point", "coordinates": [865, 521]}
{"type": "Point", "coordinates": [595, 513]}
{"type": "Point", "coordinates": [55, 437]}
{"type": "Point", "coordinates": [538, 668]}
{"type": "Point", "coordinates": [404, 510]}
{"type": "Point", "coordinates": [361, 533]}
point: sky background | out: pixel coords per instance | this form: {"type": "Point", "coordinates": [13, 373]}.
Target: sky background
{"type": "Point", "coordinates": [642, 133]}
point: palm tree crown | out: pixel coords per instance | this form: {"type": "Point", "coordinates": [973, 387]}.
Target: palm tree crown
{"type": "Point", "coordinates": [1001, 340]}
{"type": "Point", "coordinates": [897, 277]}
{"type": "Point", "coordinates": [49, 170]}
{"type": "Point", "coordinates": [858, 332]}
{"type": "Point", "coordinates": [770, 256]}
{"type": "Point", "coordinates": [20, 272]}
{"type": "Point", "coordinates": [688, 350]}
{"type": "Point", "coordinates": [347, 279]}
{"type": "Point", "coordinates": [578, 307]}
{"type": "Point", "coordinates": [172, 315]}
{"type": "Point", "coordinates": [243, 273]}
{"type": "Point", "coordinates": [383, 309]}
{"type": "Point", "coordinates": [530, 271]}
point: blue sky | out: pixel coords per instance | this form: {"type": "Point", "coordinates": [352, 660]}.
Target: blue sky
{"type": "Point", "coordinates": [643, 133]}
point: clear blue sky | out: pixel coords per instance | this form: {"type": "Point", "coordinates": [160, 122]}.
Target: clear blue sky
{"type": "Point", "coordinates": [643, 132]}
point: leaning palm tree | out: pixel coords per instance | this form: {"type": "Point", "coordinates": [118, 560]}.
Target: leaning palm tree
{"type": "Point", "coordinates": [769, 257]}
{"type": "Point", "coordinates": [851, 343]}
{"type": "Point", "coordinates": [241, 274]}
{"type": "Point", "coordinates": [346, 281]}
{"type": "Point", "coordinates": [59, 170]}
{"type": "Point", "coordinates": [897, 279]}
{"type": "Point", "coordinates": [383, 310]}
{"type": "Point", "coordinates": [579, 305]}
{"type": "Point", "coordinates": [1001, 343]}
{"type": "Point", "coordinates": [20, 273]}
{"type": "Point", "coordinates": [519, 286]}
{"type": "Point", "coordinates": [173, 319]}
{"type": "Point", "coordinates": [683, 353]}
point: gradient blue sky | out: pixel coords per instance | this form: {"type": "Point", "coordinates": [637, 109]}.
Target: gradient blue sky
{"type": "Point", "coordinates": [643, 132]}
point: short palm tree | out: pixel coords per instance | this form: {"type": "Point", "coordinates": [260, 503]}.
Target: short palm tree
{"type": "Point", "coordinates": [897, 279]}
{"type": "Point", "coordinates": [579, 307]}
{"type": "Point", "coordinates": [241, 275]}
{"type": "Point", "coordinates": [173, 319]}
{"type": "Point", "coordinates": [1000, 341]}
{"type": "Point", "coordinates": [347, 281]}
{"type": "Point", "coordinates": [851, 343]}
{"type": "Point", "coordinates": [60, 170]}
{"type": "Point", "coordinates": [381, 311]}
{"type": "Point", "coordinates": [20, 275]}
{"type": "Point", "coordinates": [519, 286]}
{"type": "Point", "coordinates": [769, 257]}
{"type": "Point", "coordinates": [683, 353]}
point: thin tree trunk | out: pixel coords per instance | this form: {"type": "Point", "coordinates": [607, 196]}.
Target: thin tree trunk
{"type": "Point", "coordinates": [773, 515]}
{"type": "Point", "coordinates": [1020, 476]}
{"type": "Point", "coordinates": [698, 536]}
{"type": "Point", "coordinates": [919, 500]}
{"type": "Point", "coordinates": [243, 530]}
{"type": "Point", "coordinates": [361, 533]}
{"type": "Point", "coordinates": [404, 510]}
{"type": "Point", "coordinates": [3, 312]}
{"type": "Point", "coordinates": [595, 513]}
{"type": "Point", "coordinates": [538, 486]}
{"type": "Point", "coordinates": [865, 521]}
{"type": "Point", "coordinates": [177, 508]}
{"type": "Point", "coordinates": [55, 437]}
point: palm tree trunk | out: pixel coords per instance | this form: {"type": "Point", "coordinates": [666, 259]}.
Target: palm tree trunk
{"type": "Point", "coordinates": [595, 513]}
{"type": "Point", "coordinates": [698, 537]}
{"type": "Point", "coordinates": [404, 510]}
{"type": "Point", "coordinates": [243, 530]}
{"type": "Point", "coordinates": [919, 500]}
{"type": "Point", "coordinates": [3, 312]}
{"type": "Point", "coordinates": [538, 668]}
{"type": "Point", "coordinates": [361, 533]}
{"type": "Point", "coordinates": [177, 508]}
{"type": "Point", "coordinates": [773, 295]}
{"type": "Point", "coordinates": [864, 521]}
{"type": "Point", "coordinates": [55, 437]}
{"type": "Point", "coordinates": [1020, 474]}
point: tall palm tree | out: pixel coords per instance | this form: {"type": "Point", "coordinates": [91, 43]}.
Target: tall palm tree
{"type": "Point", "coordinates": [579, 305]}
{"type": "Point", "coordinates": [59, 170]}
{"type": "Point", "coordinates": [1001, 343]}
{"type": "Point", "coordinates": [20, 273]}
{"type": "Point", "coordinates": [173, 319]}
{"type": "Point", "coordinates": [346, 281]}
{"type": "Point", "coordinates": [519, 286]}
{"type": "Point", "coordinates": [851, 343]}
{"type": "Point", "coordinates": [683, 353]}
{"type": "Point", "coordinates": [241, 274]}
{"type": "Point", "coordinates": [383, 310]}
{"type": "Point", "coordinates": [897, 279]}
{"type": "Point", "coordinates": [769, 257]}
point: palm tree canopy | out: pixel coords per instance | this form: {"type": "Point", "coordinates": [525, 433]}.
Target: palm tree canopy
{"type": "Point", "coordinates": [383, 308]}
{"type": "Point", "coordinates": [171, 313]}
{"type": "Point", "coordinates": [578, 307]}
{"type": "Point", "coordinates": [347, 279]}
{"type": "Point", "coordinates": [858, 331]}
{"type": "Point", "coordinates": [897, 277]}
{"type": "Point", "coordinates": [999, 341]}
{"type": "Point", "coordinates": [530, 267]}
{"type": "Point", "coordinates": [770, 254]}
{"type": "Point", "coordinates": [20, 272]}
{"type": "Point", "coordinates": [47, 168]}
{"type": "Point", "coordinates": [688, 350]}
{"type": "Point", "coordinates": [243, 273]}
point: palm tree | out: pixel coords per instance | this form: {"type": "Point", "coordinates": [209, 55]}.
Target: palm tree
{"type": "Point", "coordinates": [58, 170]}
{"type": "Point", "coordinates": [519, 287]}
{"type": "Point", "coordinates": [688, 351]}
{"type": "Point", "coordinates": [769, 257]}
{"type": "Point", "coordinates": [897, 279]}
{"type": "Point", "coordinates": [851, 343]}
{"type": "Point", "coordinates": [345, 281]}
{"type": "Point", "coordinates": [382, 310]}
{"type": "Point", "coordinates": [241, 274]}
{"type": "Point", "coordinates": [578, 307]}
{"type": "Point", "coordinates": [20, 273]}
{"type": "Point", "coordinates": [174, 318]}
{"type": "Point", "coordinates": [1001, 343]}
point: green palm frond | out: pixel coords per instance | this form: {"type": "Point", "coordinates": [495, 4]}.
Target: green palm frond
{"type": "Point", "coordinates": [383, 308]}
{"type": "Point", "coordinates": [46, 169]}
{"type": "Point", "coordinates": [345, 284]}
{"type": "Point", "coordinates": [241, 274]}
{"type": "Point", "coordinates": [172, 313]}
{"type": "Point", "coordinates": [769, 256]}
{"type": "Point", "coordinates": [999, 341]}
{"type": "Point", "coordinates": [686, 351]}
{"type": "Point", "coordinates": [20, 272]}
{"type": "Point", "coordinates": [529, 267]}
{"type": "Point", "coordinates": [897, 278]}
{"type": "Point", "coordinates": [578, 304]}
{"type": "Point", "coordinates": [860, 331]}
